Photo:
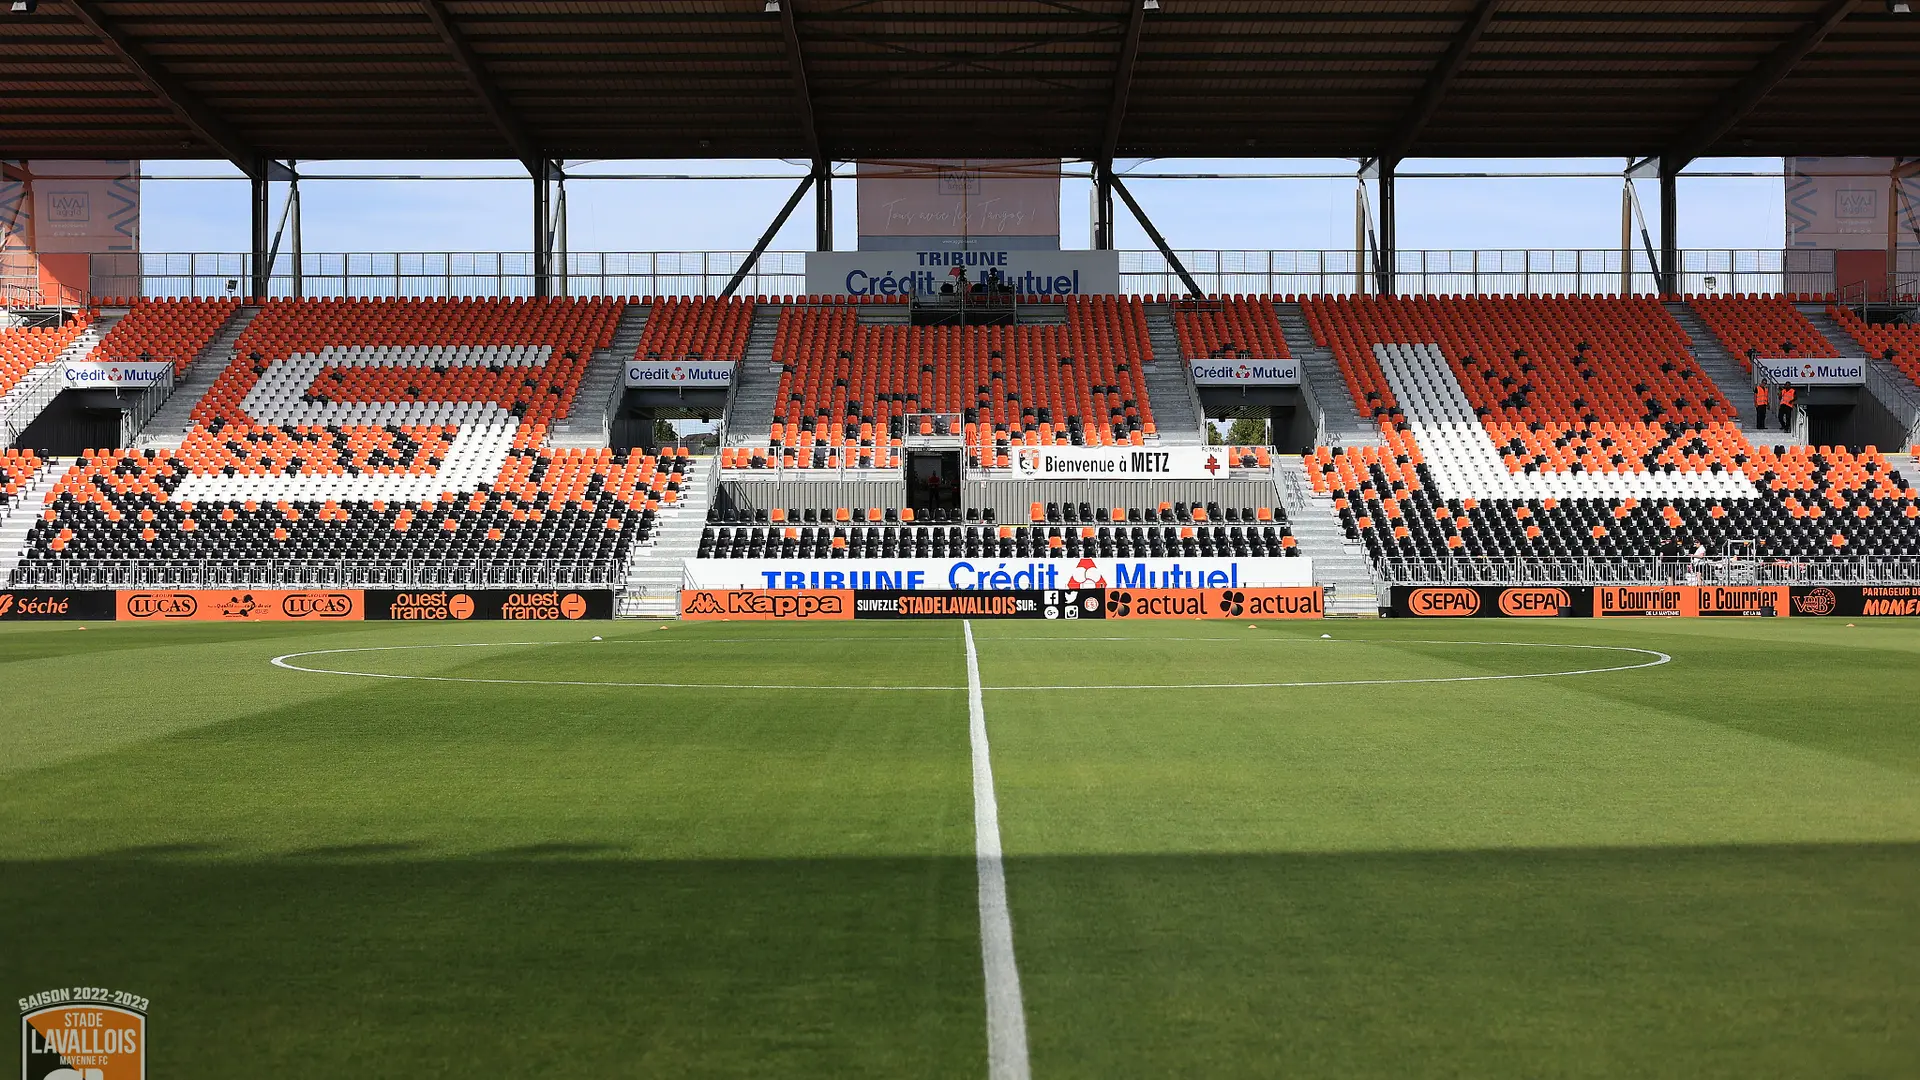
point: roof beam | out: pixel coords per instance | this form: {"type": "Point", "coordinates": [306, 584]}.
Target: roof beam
{"type": "Point", "coordinates": [1441, 79]}
{"type": "Point", "coordinates": [802, 97]}
{"type": "Point", "coordinates": [1749, 92]}
{"type": "Point", "coordinates": [182, 102]}
{"type": "Point", "coordinates": [498, 109]}
{"type": "Point", "coordinates": [1123, 79]}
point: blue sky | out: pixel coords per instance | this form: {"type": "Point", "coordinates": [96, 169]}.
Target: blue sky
{"type": "Point", "coordinates": [607, 215]}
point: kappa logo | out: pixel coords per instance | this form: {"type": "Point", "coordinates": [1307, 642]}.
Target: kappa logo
{"type": "Point", "coordinates": [1820, 601]}
{"type": "Point", "coordinates": [1087, 575]}
{"type": "Point", "coordinates": [1232, 603]}
{"type": "Point", "coordinates": [705, 603]}
{"type": "Point", "coordinates": [1119, 604]}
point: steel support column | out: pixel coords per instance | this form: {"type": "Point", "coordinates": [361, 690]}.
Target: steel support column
{"type": "Point", "coordinates": [257, 287]}
{"type": "Point", "coordinates": [823, 206]}
{"type": "Point", "coordinates": [1153, 234]}
{"type": "Point", "coordinates": [1669, 226]}
{"type": "Point", "coordinates": [1385, 256]}
{"type": "Point", "coordinates": [1103, 207]}
{"type": "Point", "coordinates": [760, 247]}
{"type": "Point", "coordinates": [542, 234]}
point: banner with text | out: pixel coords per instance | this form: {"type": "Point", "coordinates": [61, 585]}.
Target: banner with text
{"type": "Point", "coordinates": [1245, 372]}
{"type": "Point", "coordinates": [828, 605]}
{"type": "Point", "coordinates": [679, 374]}
{"type": "Point", "coordinates": [100, 375]}
{"type": "Point", "coordinates": [996, 575]}
{"type": "Point", "coordinates": [1119, 463]}
{"type": "Point", "coordinates": [510, 605]}
{"type": "Point", "coordinates": [1822, 372]}
{"type": "Point", "coordinates": [903, 273]}
{"type": "Point", "coordinates": [1490, 601]}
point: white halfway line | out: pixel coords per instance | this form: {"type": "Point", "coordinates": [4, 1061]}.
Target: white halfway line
{"type": "Point", "coordinates": [1006, 1016]}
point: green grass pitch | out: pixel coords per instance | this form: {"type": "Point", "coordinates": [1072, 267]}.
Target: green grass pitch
{"type": "Point", "coordinates": [1709, 867]}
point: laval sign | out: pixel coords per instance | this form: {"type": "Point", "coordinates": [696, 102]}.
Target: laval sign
{"type": "Point", "coordinates": [1245, 372]}
{"type": "Point", "coordinates": [678, 375]}
{"type": "Point", "coordinates": [904, 273]}
{"type": "Point", "coordinates": [100, 375]}
{"type": "Point", "coordinates": [997, 575]}
{"type": "Point", "coordinates": [1826, 371]}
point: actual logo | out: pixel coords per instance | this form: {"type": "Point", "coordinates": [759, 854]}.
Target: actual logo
{"type": "Point", "coordinates": [83, 1033]}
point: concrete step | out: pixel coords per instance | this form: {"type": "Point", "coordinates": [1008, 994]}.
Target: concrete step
{"type": "Point", "coordinates": [601, 386]}
{"type": "Point", "coordinates": [756, 385]}
{"type": "Point", "coordinates": [1733, 382]}
{"type": "Point", "coordinates": [20, 515]}
{"type": "Point", "coordinates": [37, 389]}
{"type": "Point", "coordinates": [1344, 424]}
{"type": "Point", "coordinates": [651, 584]}
{"type": "Point", "coordinates": [1176, 407]}
{"type": "Point", "coordinates": [1341, 568]}
{"type": "Point", "coordinates": [169, 423]}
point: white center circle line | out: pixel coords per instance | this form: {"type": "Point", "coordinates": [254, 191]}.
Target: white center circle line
{"type": "Point", "coordinates": [1656, 660]}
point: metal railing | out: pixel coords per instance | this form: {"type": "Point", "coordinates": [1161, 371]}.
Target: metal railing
{"type": "Point", "coordinates": [1714, 570]}
{"type": "Point", "coordinates": [1587, 271]}
{"type": "Point", "coordinates": [315, 574]}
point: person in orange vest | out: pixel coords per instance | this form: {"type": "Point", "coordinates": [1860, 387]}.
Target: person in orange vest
{"type": "Point", "coordinates": [1787, 394]}
{"type": "Point", "coordinates": [1760, 405]}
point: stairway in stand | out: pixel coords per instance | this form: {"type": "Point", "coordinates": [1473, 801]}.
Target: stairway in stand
{"type": "Point", "coordinates": [1176, 408]}
{"type": "Point", "coordinates": [169, 424]}
{"type": "Point", "coordinates": [23, 512]}
{"type": "Point", "coordinates": [656, 568]}
{"type": "Point", "coordinates": [1341, 568]}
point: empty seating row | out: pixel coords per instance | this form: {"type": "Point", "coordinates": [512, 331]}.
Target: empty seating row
{"type": "Point", "coordinates": [696, 328]}
{"type": "Point", "coordinates": [169, 331]}
{"type": "Point", "coordinates": [848, 384]}
{"type": "Point", "coordinates": [996, 542]}
{"type": "Point", "coordinates": [1896, 343]}
{"type": "Point", "coordinates": [1765, 327]}
{"type": "Point", "coordinates": [544, 505]}
{"type": "Point", "coordinates": [23, 349]}
{"type": "Point", "coordinates": [18, 469]}
{"type": "Point", "coordinates": [1241, 327]}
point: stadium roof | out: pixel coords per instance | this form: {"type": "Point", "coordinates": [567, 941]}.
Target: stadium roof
{"type": "Point", "coordinates": [531, 79]}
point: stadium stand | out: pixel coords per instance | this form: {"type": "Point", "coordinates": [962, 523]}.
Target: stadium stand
{"type": "Point", "coordinates": [1896, 343]}
{"type": "Point", "coordinates": [847, 387]}
{"type": "Point", "coordinates": [1564, 426]}
{"type": "Point", "coordinates": [1238, 327]}
{"type": "Point", "coordinates": [17, 470]}
{"type": "Point", "coordinates": [1761, 326]}
{"type": "Point", "coordinates": [23, 349]}
{"type": "Point", "coordinates": [375, 430]}
{"type": "Point", "coordinates": [164, 330]}
{"type": "Point", "coordinates": [696, 328]}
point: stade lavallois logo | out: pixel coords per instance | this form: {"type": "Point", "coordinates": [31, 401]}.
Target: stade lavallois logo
{"type": "Point", "coordinates": [83, 1033]}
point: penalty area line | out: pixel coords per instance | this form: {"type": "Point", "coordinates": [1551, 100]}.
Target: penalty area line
{"type": "Point", "coordinates": [1006, 1015]}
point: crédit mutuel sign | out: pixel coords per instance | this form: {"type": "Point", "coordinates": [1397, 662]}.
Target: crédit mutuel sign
{"type": "Point", "coordinates": [905, 273]}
